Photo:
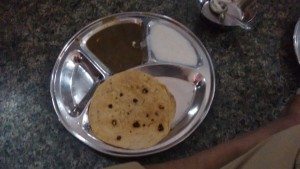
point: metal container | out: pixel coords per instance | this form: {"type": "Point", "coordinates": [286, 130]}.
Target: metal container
{"type": "Point", "coordinates": [240, 13]}
{"type": "Point", "coordinates": [296, 39]}
{"type": "Point", "coordinates": [77, 71]}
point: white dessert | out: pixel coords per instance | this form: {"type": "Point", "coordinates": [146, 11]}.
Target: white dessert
{"type": "Point", "coordinates": [169, 45]}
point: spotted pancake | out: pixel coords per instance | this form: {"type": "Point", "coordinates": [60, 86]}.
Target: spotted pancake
{"type": "Point", "coordinates": [131, 110]}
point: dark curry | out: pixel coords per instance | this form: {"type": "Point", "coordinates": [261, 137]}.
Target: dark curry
{"type": "Point", "coordinates": [118, 46]}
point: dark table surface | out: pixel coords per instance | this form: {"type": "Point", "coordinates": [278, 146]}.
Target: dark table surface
{"type": "Point", "coordinates": [256, 74]}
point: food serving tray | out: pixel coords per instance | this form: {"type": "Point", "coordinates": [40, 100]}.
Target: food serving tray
{"type": "Point", "coordinates": [78, 70]}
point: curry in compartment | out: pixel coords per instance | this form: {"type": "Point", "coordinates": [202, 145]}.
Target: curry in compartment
{"type": "Point", "coordinates": [118, 46]}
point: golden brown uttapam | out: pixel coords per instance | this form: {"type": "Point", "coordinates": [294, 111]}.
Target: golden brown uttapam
{"type": "Point", "coordinates": [131, 110]}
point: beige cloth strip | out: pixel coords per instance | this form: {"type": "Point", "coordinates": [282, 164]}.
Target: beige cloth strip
{"type": "Point", "coordinates": [297, 161]}
{"type": "Point", "coordinates": [278, 152]}
{"type": "Point", "coordinates": [131, 165]}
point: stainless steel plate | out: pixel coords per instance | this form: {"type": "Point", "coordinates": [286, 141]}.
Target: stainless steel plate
{"type": "Point", "coordinates": [77, 71]}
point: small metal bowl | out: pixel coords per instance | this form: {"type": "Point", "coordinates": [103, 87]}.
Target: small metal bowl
{"type": "Point", "coordinates": [240, 13]}
{"type": "Point", "coordinates": [77, 71]}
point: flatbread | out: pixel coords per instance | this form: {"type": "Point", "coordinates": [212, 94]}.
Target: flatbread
{"type": "Point", "coordinates": [131, 110]}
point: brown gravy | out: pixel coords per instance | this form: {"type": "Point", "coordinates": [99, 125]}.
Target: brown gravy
{"type": "Point", "coordinates": [118, 46]}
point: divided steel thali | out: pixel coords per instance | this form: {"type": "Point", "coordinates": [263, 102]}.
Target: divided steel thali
{"type": "Point", "coordinates": [152, 43]}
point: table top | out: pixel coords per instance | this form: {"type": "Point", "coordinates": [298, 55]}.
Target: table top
{"type": "Point", "coordinates": [256, 74]}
